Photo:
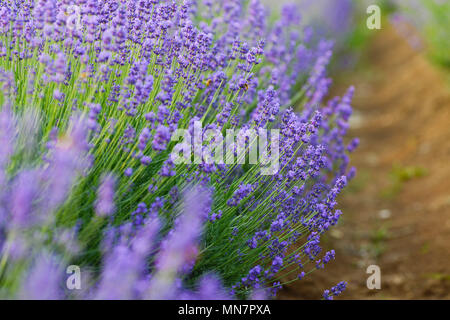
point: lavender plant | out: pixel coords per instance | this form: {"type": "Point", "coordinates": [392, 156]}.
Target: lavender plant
{"type": "Point", "coordinates": [135, 72]}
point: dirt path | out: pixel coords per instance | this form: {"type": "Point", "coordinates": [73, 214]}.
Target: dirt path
{"type": "Point", "coordinates": [397, 210]}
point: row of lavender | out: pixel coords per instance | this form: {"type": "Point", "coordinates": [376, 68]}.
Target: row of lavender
{"type": "Point", "coordinates": [92, 91]}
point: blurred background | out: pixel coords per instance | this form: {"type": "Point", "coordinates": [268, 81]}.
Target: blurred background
{"type": "Point", "coordinates": [397, 209]}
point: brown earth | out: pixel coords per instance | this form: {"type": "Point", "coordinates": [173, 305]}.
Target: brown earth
{"type": "Point", "coordinates": [397, 209]}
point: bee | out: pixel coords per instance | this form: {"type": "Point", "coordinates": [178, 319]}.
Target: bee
{"type": "Point", "coordinates": [246, 86]}
{"type": "Point", "coordinates": [84, 75]}
{"type": "Point", "coordinates": [208, 82]}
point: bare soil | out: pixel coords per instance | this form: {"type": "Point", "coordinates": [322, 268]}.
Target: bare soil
{"type": "Point", "coordinates": [397, 209]}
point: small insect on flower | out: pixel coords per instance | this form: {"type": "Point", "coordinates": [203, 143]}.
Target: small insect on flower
{"type": "Point", "coordinates": [84, 75]}
{"type": "Point", "coordinates": [208, 82]}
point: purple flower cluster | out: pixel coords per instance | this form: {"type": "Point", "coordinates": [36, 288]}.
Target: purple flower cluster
{"type": "Point", "coordinates": [126, 274]}
{"type": "Point", "coordinates": [335, 291]}
{"type": "Point", "coordinates": [105, 199]}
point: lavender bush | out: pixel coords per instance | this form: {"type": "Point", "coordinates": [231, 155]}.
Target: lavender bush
{"type": "Point", "coordinates": [108, 83]}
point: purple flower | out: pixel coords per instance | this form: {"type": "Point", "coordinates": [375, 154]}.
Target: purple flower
{"type": "Point", "coordinates": [179, 249]}
{"type": "Point", "coordinates": [25, 190]}
{"type": "Point", "coordinates": [45, 279]}
{"type": "Point", "coordinates": [105, 200]}
{"type": "Point", "coordinates": [128, 172]}
{"type": "Point", "coordinates": [58, 95]}
{"type": "Point", "coordinates": [335, 291]}
{"type": "Point", "coordinates": [146, 160]}
{"type": "Point", "coordinates": [162, 136]}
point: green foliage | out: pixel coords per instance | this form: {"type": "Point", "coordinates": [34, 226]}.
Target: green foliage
{"type": "Point", "coordinates": [398, 176]}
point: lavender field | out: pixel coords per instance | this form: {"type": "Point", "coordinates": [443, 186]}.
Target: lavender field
{"type": "Point", "coordinates": [222, 149]}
